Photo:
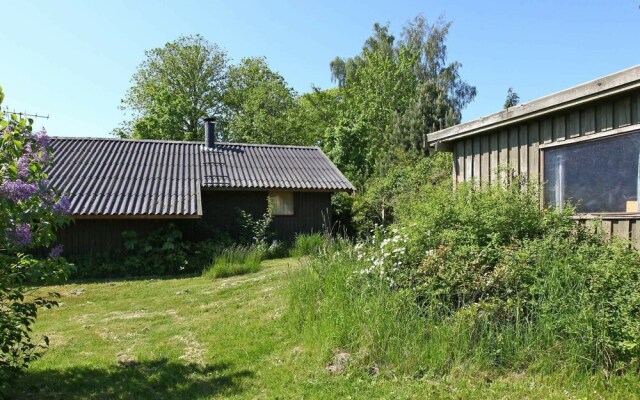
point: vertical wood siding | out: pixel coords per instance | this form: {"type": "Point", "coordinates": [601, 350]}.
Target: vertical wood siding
{"type": "Point", "coordinates": [517, 148]}
{"type": "Point", "coordinates": [220, 209]}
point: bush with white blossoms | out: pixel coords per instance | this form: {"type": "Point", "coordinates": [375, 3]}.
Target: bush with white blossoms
{"type": "Point", "coordinates": [383, 254]}
{"type": "Point", "coordinates": [30, 213]}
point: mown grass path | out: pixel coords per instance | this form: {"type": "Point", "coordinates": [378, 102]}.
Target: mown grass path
{"type": "Point", "coordinates": [197, 338]}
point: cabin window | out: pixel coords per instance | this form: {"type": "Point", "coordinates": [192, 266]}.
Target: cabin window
{"type": "Point", "coordinates": [595, 176]}
{"type": "Point", "coordinates": [281, 203]}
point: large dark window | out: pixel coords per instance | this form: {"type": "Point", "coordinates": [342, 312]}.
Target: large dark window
{"type": "Point", "coordinates": [595, 176]}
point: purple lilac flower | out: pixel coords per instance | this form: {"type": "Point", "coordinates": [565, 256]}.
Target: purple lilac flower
{"type": "Point", "coordinates": [18, 190]}
{"type": "Point", "coordinates": [19, 235]}
{"type": "Point", "coordinates": [42, 140]}
{"type": "Point", "coordinates": [23, 166]}
{"type": "Point", "coordinates": [63, 206]}
{"type": "Point", "coordinates": [56, 251]}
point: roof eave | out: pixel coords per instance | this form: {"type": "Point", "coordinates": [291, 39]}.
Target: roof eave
{"type": "Point", "coordinates": [609, 85]}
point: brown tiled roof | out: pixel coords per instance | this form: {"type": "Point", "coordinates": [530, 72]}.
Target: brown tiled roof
{"type": "Point", "coordinates": [164, 178]}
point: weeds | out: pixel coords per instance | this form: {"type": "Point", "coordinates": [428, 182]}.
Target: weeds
{"type": "Point", "coordinates": [235, 260]}
{"type": "Point", "coordinates": [479, 279]}
{"type": "Point", "coordinates": [307, 245]}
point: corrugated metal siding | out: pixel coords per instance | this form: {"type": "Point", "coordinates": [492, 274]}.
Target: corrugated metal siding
{"type": "Point", "coordinates": [162, 178]}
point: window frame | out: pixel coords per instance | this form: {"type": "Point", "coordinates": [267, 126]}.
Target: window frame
{"type": "Point", "coordinates": [593, 137]}
{"type": "Point", "coordinates": [293, 203]}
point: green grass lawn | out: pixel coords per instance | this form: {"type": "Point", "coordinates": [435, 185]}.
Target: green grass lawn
{"type": "Point", "coordinates": [198, 338]}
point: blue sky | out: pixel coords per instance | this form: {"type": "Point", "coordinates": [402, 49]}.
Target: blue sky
{"type": "Point", "coordinates": [73, 60]}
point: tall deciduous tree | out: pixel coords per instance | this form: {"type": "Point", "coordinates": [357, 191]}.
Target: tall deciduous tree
{"type": "Point", "coordinates": [392, 93]}
{"type": "Point", "coordinates": [174, 89]}
{"type": "Point", "coordinates": [315, 113]}
{"type": "Point", "coordinates": [259, 105]}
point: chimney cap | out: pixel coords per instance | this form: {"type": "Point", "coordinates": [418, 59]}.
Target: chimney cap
{"type": "Point", "coordinates": [209, 119]}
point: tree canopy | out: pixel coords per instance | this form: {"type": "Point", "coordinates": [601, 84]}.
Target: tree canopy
{"type": "Point", "coordinates": [259, 105]}
{"type": "Point", "coordinates": [388, 96]}
{"type": "Point", "coordinates": [392, 93]}
{"type": "Point", "coordinates": [173, 89]}
{"type": "Point", "coordinates": [513, 99]}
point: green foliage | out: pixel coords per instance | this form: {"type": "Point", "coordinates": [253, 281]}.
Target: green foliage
{"type": "Point", "coordinates": [260, 106]}
{"type": "Point", "coordinates": [493, 280]}
{"type": "Point", "coordinates": [316, 112]}
{"type": "Point", "coordinates": [30, 213]}
{"type": "Point", "coordinates": [308, 245]}
{"type": "Point", "coordinates": [512, 99]}
{"type": "Point", "coordinates": [235, 260]}
{"type": "Point", "coordinates": [376, 204]}
{"type": "Point", "coordinates": [256, 231]}
{"type": "Point", "coordinates": [342, 209]}
{"type": "Point", "coordinates": [162, 252]}
{"type": "Point", "coordinates": [174, 89]}
{"type": "Point", "coordinates": [391, 94]}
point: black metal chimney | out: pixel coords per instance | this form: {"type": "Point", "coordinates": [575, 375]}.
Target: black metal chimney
{"type": "Point", "coordinates": [209, 132]}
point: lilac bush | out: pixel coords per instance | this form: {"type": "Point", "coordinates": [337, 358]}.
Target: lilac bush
{"type": "Point", "coordinates": [30, 213]}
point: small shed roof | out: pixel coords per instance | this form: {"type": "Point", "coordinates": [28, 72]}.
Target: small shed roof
{"type": "Point", "coordinates": [120, 177]}
{"type": "Point", "coordinates": [616, 83]}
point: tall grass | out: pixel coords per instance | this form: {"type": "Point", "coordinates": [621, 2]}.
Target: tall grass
{"type": "Point", "coordinates": [235, 260]}
{"type": "Point", "coordinates": [308, 244]}
{"type": "Point", "coordinates": [475, 292]}
{"type": "Point", "coordinates": [335, 310]}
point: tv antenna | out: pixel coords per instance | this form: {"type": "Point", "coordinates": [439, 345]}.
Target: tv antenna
{"type": "Point", "coordinates": [27, 115]}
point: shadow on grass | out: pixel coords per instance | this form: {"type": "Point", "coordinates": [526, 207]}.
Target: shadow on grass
{"type": "Point", "coordinates": [158, 379]}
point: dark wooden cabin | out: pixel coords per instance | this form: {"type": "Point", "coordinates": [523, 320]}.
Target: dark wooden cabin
{"type": "Point", "coordinates": [582, 144]}
{"type": "Point", "coordinates": [116, 185]}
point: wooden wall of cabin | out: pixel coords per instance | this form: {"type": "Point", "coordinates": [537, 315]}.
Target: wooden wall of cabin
{"type": "Point", "coordinates": [100, 236]}
{"type": "Point", "coordinates": [312, 211]}
{"type": "Point", "coordinates": [517, 147]}
{"type": "Point", "coordinates": [220, 209]}
{"type": "Point", "coordinates": [616, 227]}
{"type": "Point", "coordinates": [481, 157]}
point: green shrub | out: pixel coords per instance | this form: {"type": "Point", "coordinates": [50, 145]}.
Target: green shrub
{"type": "Point", "coordinates": [307, 245]}
{"type": "Point", "coordinates": [235, 260]}
{"type": "Point", "coordinates": [31, 212]}
{"type": "Point", "coordinates": [162, 252]}
{"type": "Point", "coordinates": [376, 205]}
{"type": "Point", "coordinates": [275, 249]}
{"type": "Point", "coordinates": [483, 277]}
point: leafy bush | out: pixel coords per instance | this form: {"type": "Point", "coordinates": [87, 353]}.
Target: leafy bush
{"type": "Point", "coordinates": [30, 213]}
{"type": "Point", "coordinates": [376, 205]}
{"type": "Point", "coordinates": [483, 277]}
{"type": "Point", "coordinates": [161, 252]}
{"type": "Point", "coordinates": [254, 231]}
{"type": "Point", "coordinates": [235, 260]}
{"type": "Point", "coordinates": [307, 245]}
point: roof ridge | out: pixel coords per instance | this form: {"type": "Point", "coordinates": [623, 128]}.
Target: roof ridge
{"type": "Point", "coordinates": [188, 142]}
